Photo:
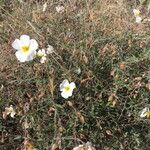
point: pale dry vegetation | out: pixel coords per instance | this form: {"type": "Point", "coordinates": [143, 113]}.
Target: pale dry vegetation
{"type": "Point", "coordinates": [101, 38]}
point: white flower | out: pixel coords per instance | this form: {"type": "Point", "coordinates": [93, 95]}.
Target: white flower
{"type": "Point", "coordinates": [138, 19]}
{"type": "Point", "coordinates": [60, 9]}
{"type": "Point", "coordinates": [67, 88]}
{"type": "Point", "coordinates": [9, 111]}
{"type": "Point", "coordinates": [42, 54]}
{"type": "Point", "coordinates": [87, 146]}
{"type": "Point", "coordinates": [26, 48]}
{"type": "Point", "coordinates": [137, 15]}
{"type": "Point", "coordinates": [50, 49]}
{"type": "Point", "coordinates": [136, 12]}
{"type": "Point", "coordinates": [145, 112]}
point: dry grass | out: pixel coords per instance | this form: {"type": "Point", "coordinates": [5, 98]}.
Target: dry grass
{"type": "Point", "coordinates": [99, 37]}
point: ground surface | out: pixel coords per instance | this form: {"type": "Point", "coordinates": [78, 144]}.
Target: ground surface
{"type": "Point", "coordinates": [101, 39]}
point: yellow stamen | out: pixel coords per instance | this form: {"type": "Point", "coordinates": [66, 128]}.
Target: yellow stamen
{"type": "Point", "coordinates": [25, 49]}
{"type": "Point", "coordinates": [83, 148]}
{"type": "Point", "coordinates": [148, 86]}
{"type": "Point", "coordinates": [67, 88]}
{"type": "Point", "coordinates": [137, 13]}
{"type": "Point", "coordinates": [148, 114]}
{"type": "Point", "coordinates": [41, 55]}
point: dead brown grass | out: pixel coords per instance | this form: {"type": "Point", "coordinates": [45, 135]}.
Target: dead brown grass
{"type": "Point", "coordinates": [93, 35]}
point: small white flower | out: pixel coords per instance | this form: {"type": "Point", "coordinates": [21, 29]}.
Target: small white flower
{"type": "Point", "coordinates": [145, 112]}
{"type": "Point", "coordinates": [87, 146]}
{"type": "Point", "coordinates": [26, 48]}
{"type": "Point", "coordinates": [67, 88]}
{"type": "Point", "coordinates": [44, 7]}
{"type": "Point", "coordinates": [138, 19]}
{"type": "Point", "coordinates": [50, 49]}
{"type": "Point", "coordinates": [41, 53]}
{"type": "Point", "coordinates": [137, 15]}
{"type": "Point", "coordinates": [43, 60]}
{"type": "Point", "coordinates": [9, 111]}
{"type": "Point", "coordinates": [136, 12]}
{"type": "Point", "coordinates": [60, 9]}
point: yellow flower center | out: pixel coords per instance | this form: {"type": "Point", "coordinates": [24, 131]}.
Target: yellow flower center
{"type": "Point", "coordinates": [25, 49]}
{"type": "Point", "coordinates": [67, 88]}
{"type": "Point", "coordinates": [41, 55]}
{"type": "Point", "coordinates": [137, 13]}
{"type": "Point", "coordinates": [30, 147]}
{"type": "Point", "coordinates": [10, 110]}
{"type": "Point", "coordinates": [148, 86]}
{"type": "Point", "coordinates": [83, 148]}
{"type": "Point", "coordinates": [148, 114]}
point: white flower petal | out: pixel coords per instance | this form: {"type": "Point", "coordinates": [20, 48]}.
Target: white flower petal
{"type": "Point", "coordinates": [143, 112]}
{"type": "Point", "coordinates": [43, 59]}
{"type": "Point", "coordinates": [72, 85]}
{"type": "Point", "coordinates": [31, 56]}
{"type": "Point", "coordinates": [63, 84]}
{"type": "Point", "coordinates": [33, 45]}
{"type": "Point", "coordinates": [20, 56]}
{"type": "Point", "coordinates": [25, 40]}
{"type": "Point", "coordinates": [138, 19]}
{"type": "Point", "coordinates": [64, 95]}
{"type": "Point", "coordinates": [50, 49]}
{"type": "Point", "coordinates": [12, 114]}
{"type": "Point", "coordinates": [41, 53]}
{"type": "Point", "coordinates": [7, 110]}
{"type": "Point", "coordinates": [146, 109]}
{"type": "Point", "coordinates": [70, 93]}
{"type": "Point", "coordinates": [16, 44]}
